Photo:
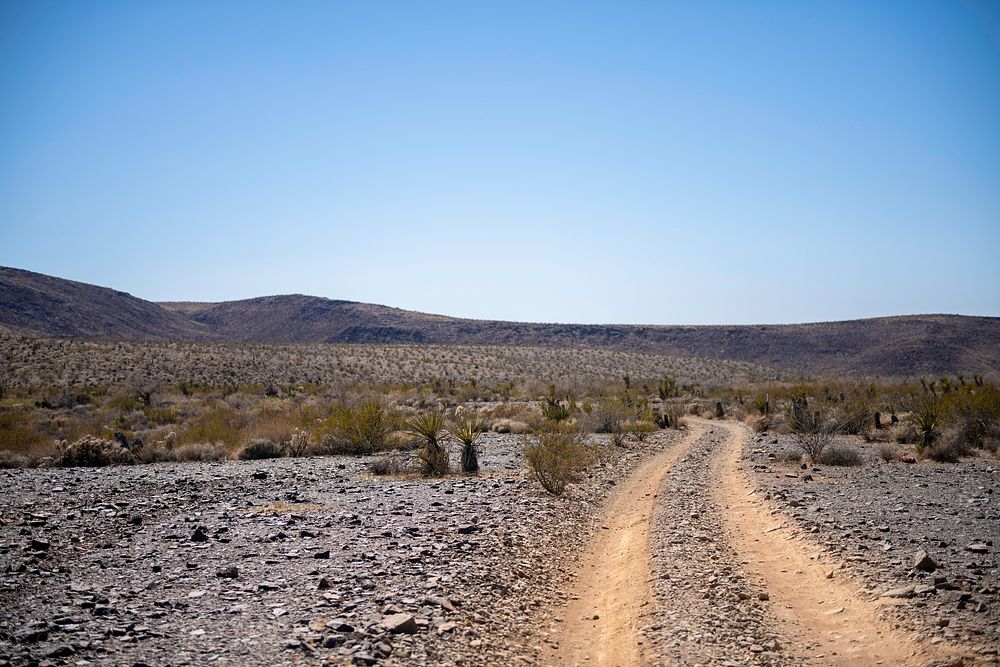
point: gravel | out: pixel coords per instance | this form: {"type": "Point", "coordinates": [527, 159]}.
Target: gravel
{"type": "Point", "coordinates": [707, 611]}
{"type": "Point", "coordinates": [288, 561]}
{"type": "Point", "coordinates": [924, 534]}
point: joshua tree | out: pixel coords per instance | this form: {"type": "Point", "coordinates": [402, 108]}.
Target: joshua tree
{"type": "Point", "coordinates": [466, 432]}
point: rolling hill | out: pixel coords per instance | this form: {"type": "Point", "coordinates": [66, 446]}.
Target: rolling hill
{"type": "Point", "coordinates": [41, 305]}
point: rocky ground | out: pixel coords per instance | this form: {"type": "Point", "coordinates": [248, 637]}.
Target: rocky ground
{"type": "Point", "coordinates": [315, 561]}
{"type": "Point", "coordinates": [288, 561]}
{"type": "Point", "coordinates": [707, 612]}
{"type": "Point", "coordinates": [882, 518]}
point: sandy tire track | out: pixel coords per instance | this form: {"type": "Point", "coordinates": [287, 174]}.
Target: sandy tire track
{"type": "Point", "coordinates": [602, 622]}
{"type": "Point", "coordinates": [823, 620]}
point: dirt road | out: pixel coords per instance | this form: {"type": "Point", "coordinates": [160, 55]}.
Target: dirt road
{"type": "Point", "coordinates": [692, 566]}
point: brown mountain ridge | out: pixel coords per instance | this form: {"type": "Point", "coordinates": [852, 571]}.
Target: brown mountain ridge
{"type": "Point", "coordinates": [41, 305]}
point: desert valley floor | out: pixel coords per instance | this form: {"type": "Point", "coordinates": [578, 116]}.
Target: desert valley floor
{"type": "Point", "coordinates": [698, 546]}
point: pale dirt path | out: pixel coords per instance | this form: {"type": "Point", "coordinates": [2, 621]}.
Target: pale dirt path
{"type": "Point", "coordinates": [601, 623]}
{"type": "Point", "coordinates": [824, 620]}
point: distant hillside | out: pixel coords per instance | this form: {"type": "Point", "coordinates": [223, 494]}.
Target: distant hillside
{"type": "Point", "coordinates": [39, 304]}
{"type": "Point", "coordinates": [908, 345]}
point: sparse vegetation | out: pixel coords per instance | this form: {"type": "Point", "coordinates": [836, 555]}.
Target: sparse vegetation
{"type": "Point", "coordinates": [430, 427]}
{"type": "Point", "coordinates": [558, 456]}
{"type": "Point", "coordinates": [467, 431]}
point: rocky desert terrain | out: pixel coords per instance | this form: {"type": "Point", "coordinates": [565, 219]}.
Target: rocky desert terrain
{"type": "Point", "coordinates": [700, 546]}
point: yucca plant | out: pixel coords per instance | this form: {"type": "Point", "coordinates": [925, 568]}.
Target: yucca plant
{"type": "Point", "coordinates": [430, 427]}
{"type": "Point", "coordinates": [926, 418]}
{"type": "Point", "coordinates": [466, 432]}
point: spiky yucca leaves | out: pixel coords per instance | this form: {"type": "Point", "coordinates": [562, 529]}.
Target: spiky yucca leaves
{"type": "Point", "coordinates": [430, 427]}
{"type": "Point", "coordinates": [926, 418]}
{"type": "Point", "coordinates": [466, 432]}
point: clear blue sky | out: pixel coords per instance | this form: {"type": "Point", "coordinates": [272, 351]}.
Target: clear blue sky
{"type": "Point", "coordinates": [698, 162]}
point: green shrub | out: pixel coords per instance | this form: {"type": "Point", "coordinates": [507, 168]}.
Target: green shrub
{"type": "Point", "coordinates": [554, 410]}
{"type": "Point", "coordinates": [558, 456]}
{"type": "Point", "coordinates": [358, 429]}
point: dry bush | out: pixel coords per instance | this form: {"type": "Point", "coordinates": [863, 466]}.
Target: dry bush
{"type": "Point", "coordinates": [297, 445]}
{"type": "Point", "coordinates": [509, 426]}
{"type": "Point", "coordinates": [391, 463]}
{"type": "Point", "coordinates": [9, 459]}
{"type": "Point", "coordinates": [90, 451]}
{"type": "Point", "coordinates": [836, 455]}
{"type": "Point", "coordinates": [161, 416]}
{"type": "Point", "coordinates": [558, 457]}
{"type": "Point", "coordinates": [259, 449]}
{"type": "Point", "coordinates": [194, 451]}
{"type": "Point", "coordinates": [19, 432]}
{"type": "Point", "coordinates": [219, 424]}
{"type": "Point", "coordinates": [640, 429]}
{"type": "Point", "coordinates": [759, 424]}
{"type": "Point", "coordinates": [904, 433]}
{"type": "Point", "coordinates": [888, 452]}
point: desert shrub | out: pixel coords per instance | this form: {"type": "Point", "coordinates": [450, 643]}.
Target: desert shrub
{"type": "Point", "coordinates": [90, 451]}
{"type": "Point", "coordinates": [161, 416]}
{"type": "Point", "coordinates": [200, 452]}
{"type": "Point", "coordinates": [194, 451]}
{"type": "Point", "coordinates": [429, 426]}
{"type": "Point", "coordinates": [813, 432]}
{"type": "Point", "coordinates": [509, 426]}
{"type": "Point", "coordinates": [760, 423]}
{"type": "Point", "coordinates": [9, 459]}
{"type": "Point", "coordinates": [18, 432]}
{"type": "Point", "coordinates": [466, 432]}
{"type": "Point", "coordinates": [219, 424]}
{"type": "Point", "coordinates": [978, 419]}
{"type": "Point", "coordinates": [841, 456]}
{"type": "Point", "coordinates": [558, 456]}
{"type": "Point", "coordinates": [947, 448]}
{"type": "Point", "coordinates": [640, 429]}
{"type": "Point", "coordinates": [391, 463]}
{"type": "Point", "coordinates": [762, 404]}
{"type": "Point", "coordinates": [554, 409]}
{"type": "Point", "coordinates": [359, 429]}
{"type": "Point", "coordinates": [904, 433]}
{"type": "Point", "coordinates": [887, 452]}
{"type": "Point", "coordinates": [297, 444]}
{"type": "Point", "coordinates": [259, 449]}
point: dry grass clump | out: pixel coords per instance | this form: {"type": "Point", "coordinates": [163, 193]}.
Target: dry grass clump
{"type": "Point", "coordinates": [558, 456]}
{"type": "Point", "coordinates": [9, 459]}
{"type": "Point", "coordinates": [219, 424]}
{"type": "Point", "coordinates": [390, 463]}
{"type": "Point", "coordinates": [836, 455]}
{"type": "Point", "coordinates": [887, 452]}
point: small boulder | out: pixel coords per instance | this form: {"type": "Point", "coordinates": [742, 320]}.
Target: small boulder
{"type": "Point", "coordinates": [399, 624]}
{"type": "Point", "coordinates": [923, 562]}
